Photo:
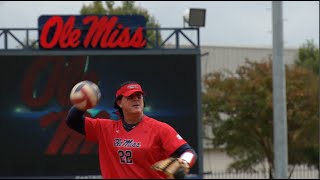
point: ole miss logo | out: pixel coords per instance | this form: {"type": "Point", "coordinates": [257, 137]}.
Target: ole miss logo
{"type": "Point", "coordinates": [92, 32]}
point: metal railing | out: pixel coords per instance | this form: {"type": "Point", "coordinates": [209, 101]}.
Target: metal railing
{"type": "Point", "coordinates": [27, 39]}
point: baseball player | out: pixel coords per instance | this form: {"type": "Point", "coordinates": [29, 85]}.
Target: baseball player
{"type": "Point", "coordinates": [135, 146]}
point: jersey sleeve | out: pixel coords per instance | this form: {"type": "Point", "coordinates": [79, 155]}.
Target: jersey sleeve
{"type": "Point", "coordinates": [170, 139]}
{"type": "Point", "coordinates": [92, 129]}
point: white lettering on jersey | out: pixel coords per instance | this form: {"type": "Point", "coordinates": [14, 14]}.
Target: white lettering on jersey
{"type": "Point", "coordinates": [118, 142]}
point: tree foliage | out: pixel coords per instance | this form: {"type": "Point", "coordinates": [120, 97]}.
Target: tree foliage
{"type": "Point", "coordinates": [240, 108]}
{"type": "Point", "coordinates": [127, 8]}
{"type": "Point", "coordinates": [95, 8]}
{"type": "Point", "coordinates": [308, 56]}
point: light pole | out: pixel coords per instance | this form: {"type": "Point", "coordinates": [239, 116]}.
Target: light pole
{"type": "Point", "coordinates": [280, 136]}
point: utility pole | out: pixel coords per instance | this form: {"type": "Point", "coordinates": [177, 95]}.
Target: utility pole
{"type": "Point", "coordinates": [279, 95]}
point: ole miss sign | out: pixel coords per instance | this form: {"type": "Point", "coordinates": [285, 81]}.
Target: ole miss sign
{"type": "Point", "coordinates": [92, 32]}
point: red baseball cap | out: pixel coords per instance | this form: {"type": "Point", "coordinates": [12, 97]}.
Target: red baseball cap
{"type": "Point", "coordinates": [129, 89]}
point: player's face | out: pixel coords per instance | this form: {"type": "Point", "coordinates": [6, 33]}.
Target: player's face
{"type": "Point", "coordinates": [132, 104]}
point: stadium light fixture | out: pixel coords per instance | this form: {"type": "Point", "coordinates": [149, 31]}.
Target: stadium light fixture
{"type": "Point", "coordinates": [194, 17]}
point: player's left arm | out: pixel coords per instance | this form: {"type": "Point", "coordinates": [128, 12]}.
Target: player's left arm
{"type": "Point", "coordinates": [186, 153]}
{"type": "Point", "coordinates": [175, 145]}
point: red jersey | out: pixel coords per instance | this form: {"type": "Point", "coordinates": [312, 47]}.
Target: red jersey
{"type": "Point", "coordinates": [131, 154]}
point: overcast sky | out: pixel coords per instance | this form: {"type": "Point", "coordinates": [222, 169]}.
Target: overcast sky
{"type": "Point", "coordinates": [227, 23]}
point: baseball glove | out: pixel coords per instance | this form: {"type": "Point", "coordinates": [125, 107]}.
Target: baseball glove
{"type": "Point", "coordinates": [174, 168]}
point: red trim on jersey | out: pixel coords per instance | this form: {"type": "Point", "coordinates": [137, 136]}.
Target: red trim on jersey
{"type": "Point", "coordinates": [129, 89]}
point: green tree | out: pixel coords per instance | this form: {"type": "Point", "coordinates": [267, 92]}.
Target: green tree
{"type": "Point", "coordinates": [239, 106]}
{"type": "Point", "coordinates": [308, 56]}
{"type": "Point", "coordinates": [95, 8]}
{"type": "Point", "coordinates": [127, 8]}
